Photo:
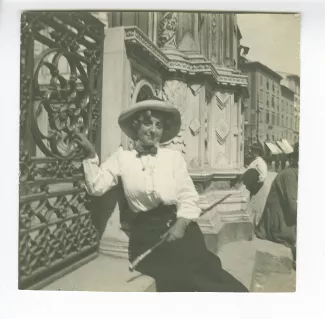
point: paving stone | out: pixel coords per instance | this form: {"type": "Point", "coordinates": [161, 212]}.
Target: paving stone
{"type": "Point", "coordinates": [105, 273]}
{"type": "Point", "coordinates": [262, 266]}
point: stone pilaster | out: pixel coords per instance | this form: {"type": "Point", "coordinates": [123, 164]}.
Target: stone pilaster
{"type": "Point", "coordinates": [115, 98]}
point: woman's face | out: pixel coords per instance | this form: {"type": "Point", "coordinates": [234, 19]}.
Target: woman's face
{"type": "Point", "coordinates": [150, 128]}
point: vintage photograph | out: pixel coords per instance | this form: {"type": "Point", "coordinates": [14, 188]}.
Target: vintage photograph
{"type": "Point", "coordinates": [158, 151]}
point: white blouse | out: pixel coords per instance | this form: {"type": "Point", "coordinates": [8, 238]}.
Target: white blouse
{"type": "Point", "coordinates": [147, 180]}
{"type": "Point", "coordinates": [260, 165]}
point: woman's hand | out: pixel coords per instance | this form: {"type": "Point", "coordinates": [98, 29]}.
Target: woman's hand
{"type": "Point", "coordinates": [177, 231]}
{"type": "Point", "coordinates": [84, 143]}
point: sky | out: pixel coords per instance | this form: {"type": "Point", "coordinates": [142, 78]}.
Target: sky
{"type": "Point", "coordinates": [273, 39]}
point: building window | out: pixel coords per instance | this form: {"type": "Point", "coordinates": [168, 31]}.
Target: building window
{"type": "Point", "coordinates": [267, 118]}
{"type": "Point", "coordinates": [267, 84]}
{"type": "Point", "coordinates": [273, 101]}
{"type": "Point", "coordinates": [273, 87]}
{"type": "Point", "coordinates": [282, 123]}
{"type": "Point", "coordinates": [261, 79]}
{"type": "Point", "coordinates": [278, 120]}
{"type": "Point", "coordinates": [273, 119]}
{"type": "Point", "coordinates": [253, 118]}
{"type": "Point", "coordinates": [267, 104]}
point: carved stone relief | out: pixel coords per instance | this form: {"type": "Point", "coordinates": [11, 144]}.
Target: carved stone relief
{"type": "Point", "coordinates": [223, 98]}
{"type": "Point", "coordinates": [167, 30]}
{"type": "Point", "coordinates": [222, 130]}
{"type": "Point", "coordinates": [175, 92]}
{"type": "Point", "coordinates": [195, 126]}
{"type": "Point", "coordinates": [142, 80]}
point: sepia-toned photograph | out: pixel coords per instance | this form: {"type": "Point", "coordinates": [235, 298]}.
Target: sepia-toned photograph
{"type": "Point", "coordinates": [158, 151]}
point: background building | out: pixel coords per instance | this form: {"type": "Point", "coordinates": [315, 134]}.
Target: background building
{"type": "Point", "coordinates": [262, 111]}
{"type": "Point", "coordinates": [288, 117]}
{"type": "Point", "coordinates": [292, 82]}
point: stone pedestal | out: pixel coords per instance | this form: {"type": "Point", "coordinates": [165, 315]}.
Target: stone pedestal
{"type": "Point", "coordinates": [227, 222]}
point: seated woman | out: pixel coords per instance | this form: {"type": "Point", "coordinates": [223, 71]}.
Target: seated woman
{"type": "Point", "coordinates": [162, 196]}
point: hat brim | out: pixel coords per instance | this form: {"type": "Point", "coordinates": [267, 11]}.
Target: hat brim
{"type": "Point", "coordinates": [126, 117]}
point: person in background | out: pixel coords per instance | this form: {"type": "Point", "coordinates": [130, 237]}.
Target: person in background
{"type": "Point", "coordinates": [163, 200]}
{"type": "Point", "coordinates": [279, 220]}
{"type": "Point", "coordinates": [256, 182]}
{"type": "Point", "coordinates": [258, 163]}
{"type": "Point", "coordinates": [277, 163]}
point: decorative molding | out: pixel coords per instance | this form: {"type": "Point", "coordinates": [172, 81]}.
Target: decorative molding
{"type": "Point", "coordinates": [222, 131]}
{"type": "Point", "coordinates": [142, 76]}
{"type": "Point", "coordinates": [222, 99]}
{"type": "Point", "coordinates": [185, 64]}
{"type": "Point", "coordinates": [175, 92]}
{"type": "Point", "coordinates": [137, 85]}
{"type": "Point", "coordinates": [214, 23]}
{"type": "Point", "coordinates": [195, 126]}
{"type": "Point", "coordinates": [195, 88]}
{"type": "Point", "coordinates": [168, 30]}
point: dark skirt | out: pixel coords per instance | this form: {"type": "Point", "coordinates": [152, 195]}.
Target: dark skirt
{"type": "Point", "coordinates": [182, 265]}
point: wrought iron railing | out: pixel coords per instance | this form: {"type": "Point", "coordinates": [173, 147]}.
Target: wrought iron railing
{"type": "Point", "coordinates": [61, 71]}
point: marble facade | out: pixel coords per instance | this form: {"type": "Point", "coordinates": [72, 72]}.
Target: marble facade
{"type": "Point", "coordinates": [189, 59]}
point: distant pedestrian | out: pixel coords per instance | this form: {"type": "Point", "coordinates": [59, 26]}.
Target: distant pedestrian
{"type": "Point", "coordinates": [256, 152]}
{"type": "Point", "coordinates": [279, 219]}
{"type": "Point", "coordinates": [255, 181]}
{"type": "Point", "coordinates": [277, 164]}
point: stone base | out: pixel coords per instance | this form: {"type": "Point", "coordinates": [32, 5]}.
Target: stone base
{"type": "Point", "coordinates": [227, 222]}
{"type": "Point", "coordinates": [228, 232]}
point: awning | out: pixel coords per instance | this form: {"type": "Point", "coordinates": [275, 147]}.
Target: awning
{"type": "Point", "coordinates": [285, 146]}
{"type": "Point", "coordinates": [288, 146]}
{"type": "Point", "coordinates": [273, 148]}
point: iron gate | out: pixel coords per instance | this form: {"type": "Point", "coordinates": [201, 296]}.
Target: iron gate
{"type": "Point", "coordinates": [61, 71]}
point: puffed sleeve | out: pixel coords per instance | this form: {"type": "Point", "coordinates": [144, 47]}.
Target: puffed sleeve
{"type": "Point", "coordinates": [187, 196]}
{"type": "Point", "coordinates": [100, 179]}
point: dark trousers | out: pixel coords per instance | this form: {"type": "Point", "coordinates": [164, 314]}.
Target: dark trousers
{"type": "Point", "coordinates": [180, 266]}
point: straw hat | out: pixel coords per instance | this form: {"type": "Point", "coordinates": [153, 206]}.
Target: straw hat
{"type": "Point", "coordinates": [126, 118]}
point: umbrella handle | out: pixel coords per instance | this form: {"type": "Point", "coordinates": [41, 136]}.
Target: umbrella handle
{"type": "Point", "coordinates": [145, 254]}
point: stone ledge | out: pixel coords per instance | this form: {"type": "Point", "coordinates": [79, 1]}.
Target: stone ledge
{"type": "Point", "coordinates": [105, 273]}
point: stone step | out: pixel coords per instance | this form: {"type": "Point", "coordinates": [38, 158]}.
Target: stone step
{"type": "Point", "coordinates": [105, 273]}
{"type": "Point", "coordinates": [260, 265]}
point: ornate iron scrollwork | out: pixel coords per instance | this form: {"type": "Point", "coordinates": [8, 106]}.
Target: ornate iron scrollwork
{"type": "Point", "coordinates": [67, 108]}
{"type": "Point", "coordinates": [60, 95]}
